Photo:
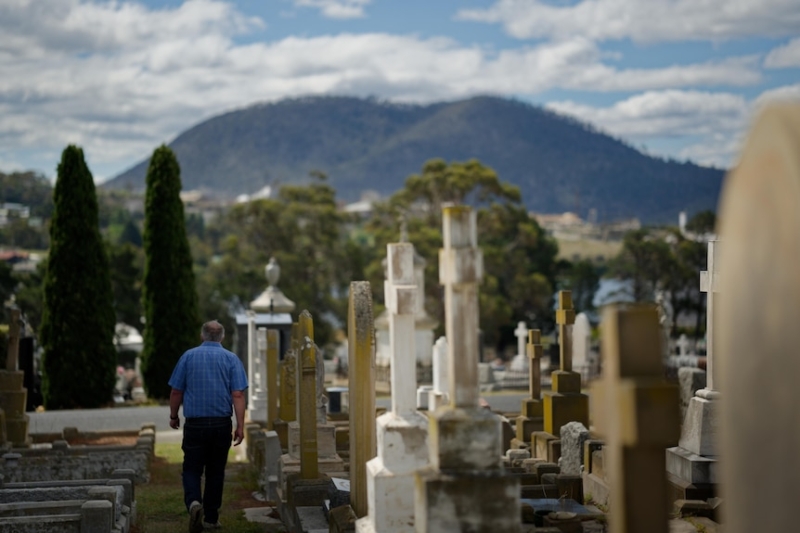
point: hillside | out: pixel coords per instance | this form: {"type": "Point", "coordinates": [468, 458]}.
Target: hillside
{"type": "Point", "coordinates": [559, 163]}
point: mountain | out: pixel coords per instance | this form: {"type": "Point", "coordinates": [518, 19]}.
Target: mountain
{"type": "Point", "coordinates": [559, 163]}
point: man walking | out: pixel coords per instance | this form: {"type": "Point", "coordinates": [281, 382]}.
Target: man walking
{"type": "Point", "coordinates": [207, 380]}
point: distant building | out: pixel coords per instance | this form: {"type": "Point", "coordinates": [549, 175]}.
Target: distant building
{"type": "Point", "coordinates": [9, 211]}
{"type": "Point", "coordinates": [569, 226]}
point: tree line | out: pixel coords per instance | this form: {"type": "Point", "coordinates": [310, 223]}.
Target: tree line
{"type": "Point", "coordinates": [164, 271]}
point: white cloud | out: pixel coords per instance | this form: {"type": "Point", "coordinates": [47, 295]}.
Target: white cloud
{"type": "Point", "coordinates": [785, 56]}
{"type": "Point", "coordinates": [118, 78]}
{"type": "Point", "coordinates": [716, 118]}
{"type": "Point", "coordinates": [642, 21]}
{"type": "Point", "coordinates": [790, 93]}
{"type": "Point", "coordinates": [337, 9]}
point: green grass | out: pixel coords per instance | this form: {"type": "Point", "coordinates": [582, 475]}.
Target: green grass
{"type": "Point", "coordinates": [160, 507]}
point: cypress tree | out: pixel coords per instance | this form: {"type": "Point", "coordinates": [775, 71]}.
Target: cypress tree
{"type": "Point", "coordinates": [77, 332]}
{"type": "Point", "coordinates": [169, 295]}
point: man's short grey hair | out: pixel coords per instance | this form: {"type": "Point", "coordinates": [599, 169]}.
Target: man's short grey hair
{"type": "Point", "coordinates": [212, 331]}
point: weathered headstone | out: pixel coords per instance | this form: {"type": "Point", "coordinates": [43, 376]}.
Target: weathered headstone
{"type": "Point", "coordinates": [258, 379]}
{"type": "Point", "coordinates": [439, 395]}
{"type": "Point", "coordinates": [756, 365]}
{"type": "Point", "coordinates": [308, 398]}
{"type": "Point", "coordinates": [636, 411]}
{"type": "Point", "coordinates": [565, 403]}
{"type": "Point", "coordinates": [693, 461]}
{"type": "Point", "coordinates": [273, 348]}
{"type": "Point", "coordinates": [582, 346]}
{"type": "Point", "coordinates": [402, 433]}
{"type": "Point", "coordinates": [13, 396]}
{"type": "Point", "coordinates": [465, 439]}
{"type": "Point", "coordinates": [361, 359]}
{"type": "Point", "coordinates": [287, 407]}
{"type": "Point", "coordinates": [531, 414]}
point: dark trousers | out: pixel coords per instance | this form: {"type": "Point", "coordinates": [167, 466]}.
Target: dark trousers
{"type": "Point", "coordinates": [206, 442]}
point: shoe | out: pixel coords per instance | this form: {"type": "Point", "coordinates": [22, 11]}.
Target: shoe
{"type": "Point", "coordinates": [216, 525]}
{"type": "Point", "coordinates": [196, 517]}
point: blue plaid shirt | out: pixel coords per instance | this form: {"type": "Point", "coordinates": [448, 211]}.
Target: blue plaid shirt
{"type": "Point", "coordinates": [208, 375]}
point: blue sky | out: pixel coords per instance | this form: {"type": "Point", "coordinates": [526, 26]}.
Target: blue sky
{"type": "Point", "coordinates": [676, 78]}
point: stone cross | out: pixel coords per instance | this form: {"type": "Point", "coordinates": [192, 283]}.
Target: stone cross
{"type": "Point", "coordinates": [522, 335]}
{"type": "Point", "coordinates": [12, 358]}
{"type": "Point", "coordinates": [709, 283]}
{"type": "Point", "coordinates": [402, 436]}
{"type": "Point", "coordinates": [400, 292]}
{"type": "Point", "coordinates": [530, 418]}
{"type": "Point", "coordinates": [565, 403]}
{"type": "Point", "coordinates": [460, 271]}
{"type": "Point", "coordinates": [309, 468]}
{"type": "Point", "coordinates": [565, 318]}
{"type": "Point", "coordinates": [465, 439]}
{"type": "Point", "coordinates": [361, 375]}
{"type": "Point", "coordinates": [273, 347]}
{"type": "Point", "coordinates": [637, 413]}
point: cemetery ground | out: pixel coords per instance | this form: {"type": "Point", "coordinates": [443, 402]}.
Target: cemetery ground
{"type": "Point", "coordinates": [161, 508]}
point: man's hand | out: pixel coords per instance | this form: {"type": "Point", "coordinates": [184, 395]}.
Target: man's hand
{"type": "Point", "coordinates": [175, 423]}
{"type": "Point", "coordinates": [238, 436]}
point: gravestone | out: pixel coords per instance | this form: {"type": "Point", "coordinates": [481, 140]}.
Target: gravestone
{"type": "Point", "coordinates": [582, 346]}
{"type": "Point", "coordinates": [424, 324]}
{"type": "Point", "coordinates": [756, 362]}
{"type": "Point", "coordinates": [531, 413]}
{"type": "Point", "coordinates": [565, 403]}
{"type": "Point", "coordinates": [361, 358]}
{"type": "Point", "coordinates": [520, 361]}
{"type": "Point", "coordinates": [439, 395]}
{"type": "Point", "coordinates": [402, 433]}
{"type": "Point", "coordinates": [637, 413]}
{"type": "Point", "coordinates": [465, 439]}
{"type": "Point", "coordinates": [692, 464]}
{"type": "Point", "coordinates": [13, 396]}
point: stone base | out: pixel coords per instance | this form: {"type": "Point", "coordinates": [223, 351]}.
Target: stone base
{"type": "Point", "coordinates": [282, 429]}
{"type": "Point", "coordinates": [437, 399]}
{"type": "Point", "coordinates": [539, 444]}
{"type": "Point", "coordinates": [691, 467]}
{"type": "Point", "coordinates": [596, 489]}
{"type": "Point", "coordinates": [326, 440]}
{"type": "Point", "coordinates": [459, 501]}
{"type": "Point", "coordinates": [566, 382]}
{"type": "Point", "coordinates": [17, 431]}
{"type": "Point", "coordinates": [307, 492]}
{"type": "Point", "coordinates": [13, 402]}
{"type": "Point", "coordinates": [11, 379]}
{"type": "Point", "coordinates": [679, 489]}
{"type": "Point", "coordinates": [560, 409]}
{"type": "Point", "coordinates": [290, 466]}
{"type": "Point", "coordinates": [526, 426]}
{"type": "Point", "coordinates": [465, 439]}
{"type": "Point", "coordinates": [390, 499]}
{"type": "Point", "coordinates": [700, 429]}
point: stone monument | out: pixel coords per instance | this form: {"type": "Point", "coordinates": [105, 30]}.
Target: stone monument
{"type": "Point", "coordinates": [402, 433]}
{"type": "Point", "coordinates": [465, 439]}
